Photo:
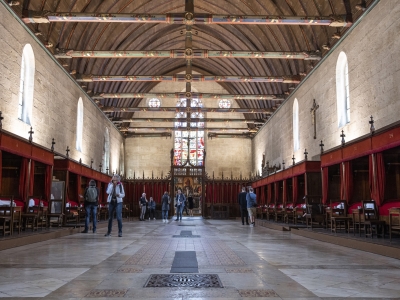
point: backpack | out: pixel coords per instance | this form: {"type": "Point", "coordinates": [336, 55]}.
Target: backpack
{"type": "Point", "coordinates": [91, 194]}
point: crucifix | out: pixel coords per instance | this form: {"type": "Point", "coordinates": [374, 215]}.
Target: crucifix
{"type": "Point", "coordinates": [188, 138]}
{"type": "Point", "coordinates": [313, 111]}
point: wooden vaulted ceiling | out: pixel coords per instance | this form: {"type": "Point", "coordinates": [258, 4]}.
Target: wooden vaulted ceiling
{"type": "Point", "coordinates": [161, 36]}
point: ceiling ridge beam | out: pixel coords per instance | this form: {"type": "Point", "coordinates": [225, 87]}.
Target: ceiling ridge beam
{"type": "Point", "coordinates": [29, 16]}
{"type": "Point", "coordinates": [189, 128]}
{"type": "Point", "coordinates": [195, 54]}
{"type": "Point", "coordinates": [205, 120]}
{"type": "Point", "coordinates": [187, 109]}
{"type": "Point", "coordinates": [188, 79]}
{"type": "Point", "coordinates": [271, 97]}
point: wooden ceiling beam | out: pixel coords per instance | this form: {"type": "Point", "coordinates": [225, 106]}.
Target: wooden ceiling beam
{"type": "Point", "coordinates": [188, 78]}
{"type": "Point", "coordinates": [29, 16]}
{"type": "Point", "coordinates": [173, 128]}
{"type": "Point", "coordinates": [203, 120]}
{"type": "Point", "coordinates": [195, 54]}
{"type": "Point", "coordinates": [188, 109]}
{"type": "Point", "coordinates": [191, 95]}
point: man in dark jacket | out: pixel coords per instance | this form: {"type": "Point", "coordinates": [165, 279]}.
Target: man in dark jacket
{"type": "Point", "coordinates": [91, 197]}
{"type": "Point", "coordinates": [243, 205]}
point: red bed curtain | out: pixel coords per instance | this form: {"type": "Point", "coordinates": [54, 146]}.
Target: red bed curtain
{"type": "Point", "coordinates": [22, 178]}
{"type": "Point", "coordinates": [346, 181]}
{"type": "Point", "coordinates": [269, 194]}
{"type": "Point", "coordinates": [31, 179]}
{"type": "Point", "coordinates": [1, 169]}
{"type": "Point", "coordinates": [325, 184]}
{"type": "Point", "coordinates": [295, 190]}
{"type": "Point", "coordinates": [47, 182]}
{"type": "Point", "coordinates": [377, 177]}
{"type": "Point", "coordinates": [78, 189]}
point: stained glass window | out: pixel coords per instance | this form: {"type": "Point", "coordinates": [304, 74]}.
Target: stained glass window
{"type": "Point", "coordinates": [189, 145]}
{"type": "Point", "coordinates": [154, 102]}
{"type": "Point", "coordinates": [224, 103]}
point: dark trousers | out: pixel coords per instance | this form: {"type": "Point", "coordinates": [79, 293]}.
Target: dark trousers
{"type": "Point", "coordinates": [244, 213]}
{"type": "Point", "coordinates": [152, 213]}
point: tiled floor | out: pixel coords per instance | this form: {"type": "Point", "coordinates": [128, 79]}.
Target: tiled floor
{"type": "Point", "coordinates": [252, 263]}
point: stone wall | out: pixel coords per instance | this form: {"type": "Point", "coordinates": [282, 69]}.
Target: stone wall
{"type": "Point", "coordinates": [373, 51]}
{"type": "Point", "coordinates": [152, 155]}
{"type": "Point", "coordinates": [55, 100]}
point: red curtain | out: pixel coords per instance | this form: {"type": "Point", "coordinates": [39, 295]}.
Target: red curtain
{"type": "Point", "coordinates": [377, 180]}
{"type": "Point", "coordinates": [262, 196]}
{"type": "Point", "coordinates": [1, 169]}
{"type": "Point", "coordinates": [22, 178]}
{"type": "Point", "coordinates": [284, 195]}
{"type": "Point", "coordinates": [346, 181]}
{"type": "Point", "coordinates": [276, 192]}
{"type": "Point", "coordinates": [325, 184]}
{"type": "Point", "coordinates": [47, 182]}
{"type": "Point", "coordinates": [295, 188]}
{"type": "Point", "coordinates": [269, 193]}
{"type": "Point", "coordinates": [78, 189]}
{"type": "Point", "coordinates": [31, 179]}
{"type": "Point", "coordinates": [208, 193]}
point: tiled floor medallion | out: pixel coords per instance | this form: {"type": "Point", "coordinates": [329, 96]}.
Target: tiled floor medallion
{"type": "Point", "coordinates": [238, 270]}
{"type": "Point", "coordinates": [106, 293]}
{"type": "Point", "coordinates": [258, 293]}
{"type": "Point", "coordinates": [129, 270]}
{"type": "Point", "coordinates": [184, 280]}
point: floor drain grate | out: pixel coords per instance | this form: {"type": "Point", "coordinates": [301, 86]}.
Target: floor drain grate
{"type": "Point", "coordinates": [184, 280]}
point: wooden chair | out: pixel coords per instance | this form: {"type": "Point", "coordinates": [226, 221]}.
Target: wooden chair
{"type": "Point", "coordinates": [279, 213]}
{"type": "Point", "coordinates": [371, 222]}
{"type": "Point", "coordinates": [314, 211]}
{"type": "Point", "coordinates": [6, 220]}
{"type": "Point", "coordinates": [42, 217]}
{"type": "Point", "coordinates": [16, 219]}
{"type": "Point", "coordinates": [394, 221]}
{"type": "Point", "coordinates": [54, 213]}
{"type": "Point", "coordinates": [338, 217]}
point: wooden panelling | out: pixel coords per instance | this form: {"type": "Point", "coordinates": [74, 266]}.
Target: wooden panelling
{"type": "Point", "coordinates": [357, 149]}
{"type": "Point", "coordinates": [331, 158]}
{"type": "Point", "coordinates": [386, 140]}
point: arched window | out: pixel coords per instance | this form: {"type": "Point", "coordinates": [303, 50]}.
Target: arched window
{"type": "Point", "coordinates": [106, 151]}
{"type": "Point", "coordinates": [189, 145]}
{"type": "Point", "coordinates": [154, 102]}
{"type": "Point", "coordinates": [25, 97]}
{"type": "Point", "coordinates": [79, 125]}
{"type": "Point", "coordinates": [342, 90]}
{"type": "Point", "coordinates": [296, 137]}
{"type": "Point", "coordinates": [224, 103]}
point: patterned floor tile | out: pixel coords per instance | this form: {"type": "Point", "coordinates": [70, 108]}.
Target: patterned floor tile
{"type": "Point", "coordinates": [258, 293]}
{"type": "Point", "coordinates": [184, 280]}
{"type": "Point", "coordinates": [129, 270]}
{"type": "Point", "coordinates": [238, 270]}
{"type": "Point", "coordinates": [106, 293]}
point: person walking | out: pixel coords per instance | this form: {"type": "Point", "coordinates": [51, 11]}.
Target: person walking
{"type": "Point", "coordinates": [190, 204]}
{"type": "Point", "coordinates": [142, 205]}
{"type": "Point", "coordinates": [115, 192]}
{"type": "Point", "coordinates": [180, 203]}
{"type": "Point", "coordinates": [165, 201]}
{"type": "Point", "coordinates": [152, 208]}
{"type": "Point", "coordinates": [243, 206]}
{"type": "Point", "coordinates": [251, 199]}
{"type": "Point", "coordinates": [91, 197]}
